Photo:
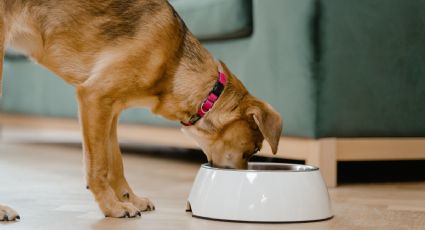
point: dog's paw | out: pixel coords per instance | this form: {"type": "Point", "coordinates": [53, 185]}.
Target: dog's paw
{"type": "Point", "coordinates": [8, 214]}
{"type": "Point", "coordinates": [121, 210]}
{"type": "Point", "coordinates": [142, 203]}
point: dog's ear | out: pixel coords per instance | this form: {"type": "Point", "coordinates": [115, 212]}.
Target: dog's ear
{"type": "Point", "coordinates": [268, 121]}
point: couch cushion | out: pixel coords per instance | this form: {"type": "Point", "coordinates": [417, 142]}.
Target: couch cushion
{"type": "Point", "coordinates": [372, 79]}
{"type": "Point", "coordinates": [216, 19]}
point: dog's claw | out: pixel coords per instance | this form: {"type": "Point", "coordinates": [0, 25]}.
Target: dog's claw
{"type": "Point", "coordinates": [151, 208]}
{"type": "Point", "coordinates": [18, 217]}
{"type": "Point", "coordinates": [127, 215]}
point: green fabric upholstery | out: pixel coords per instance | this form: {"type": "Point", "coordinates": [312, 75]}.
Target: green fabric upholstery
{"type": "Point", "coordinates": [216, 19]}
{"type": "Point", "coordinates": [357, 71]}
{"type": "Point", "coordinates": [372, 73]}
{"type": "Point", "coordinates": [275, 62]}
{"type": "Point", "coordinates": [31, 89]}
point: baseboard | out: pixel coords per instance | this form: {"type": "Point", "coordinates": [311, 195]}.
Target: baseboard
{"type": "Point", "coordinates": [323, 153]}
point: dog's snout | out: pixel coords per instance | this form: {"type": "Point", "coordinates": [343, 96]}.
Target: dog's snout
{"type": "Point", "coordinates": [219, 166]}
{"type": "Point", "coordinates": [228, 167]}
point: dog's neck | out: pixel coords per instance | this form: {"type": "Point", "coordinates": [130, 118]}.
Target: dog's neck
{"type": "Point", "coordinates": [193, 84]}
{"type": "Point", "coordinates": [192, 78]}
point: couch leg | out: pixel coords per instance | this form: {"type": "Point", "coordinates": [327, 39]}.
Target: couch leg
{"type": "Point", "coordinates": [323, 155]}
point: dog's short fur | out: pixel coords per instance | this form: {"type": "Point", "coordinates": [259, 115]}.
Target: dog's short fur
{"type": "Point", "coordinates": [120, 54]}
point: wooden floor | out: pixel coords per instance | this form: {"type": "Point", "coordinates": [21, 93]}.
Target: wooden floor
{"type": "Point", "coordinates": [45, 184]}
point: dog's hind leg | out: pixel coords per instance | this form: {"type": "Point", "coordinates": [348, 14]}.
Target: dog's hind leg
{"type": "Point", "coordinates": [116, 174]}
{"type": "Point", "coordinates": [2, 45]}
{"type": "Point", "coordinates": [6, 213]}
{"type": "Point", "coordinates": [96, 114]}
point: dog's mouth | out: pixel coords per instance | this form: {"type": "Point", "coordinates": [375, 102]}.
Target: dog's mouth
{"type": "Point", "coordinates": [228, 167]}
{"type": "Point", "coordinates": [211, 164]}
{"type": "Point", "coordinates": [219, 166]}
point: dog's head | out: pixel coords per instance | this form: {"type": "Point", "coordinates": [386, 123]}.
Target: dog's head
{"type": "Point", "coordinates": [236, 127]}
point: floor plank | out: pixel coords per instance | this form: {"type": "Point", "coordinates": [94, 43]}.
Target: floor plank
{"type": "Point", "coordinates": [45, 183]}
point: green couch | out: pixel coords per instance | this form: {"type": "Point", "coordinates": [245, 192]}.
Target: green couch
{"type": "Point", "coordinates": [371, 74]}
{"type": "Point", "coordinates": [332, 68]}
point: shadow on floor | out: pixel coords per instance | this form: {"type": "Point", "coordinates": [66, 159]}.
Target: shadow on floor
{"type": "Point", "coordinates": [348, 172]}
{"type": "Point", "coordinates": [381, 171]}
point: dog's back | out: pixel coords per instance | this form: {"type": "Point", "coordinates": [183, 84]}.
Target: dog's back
{"type": "Point", "coordinates": [74, 38]}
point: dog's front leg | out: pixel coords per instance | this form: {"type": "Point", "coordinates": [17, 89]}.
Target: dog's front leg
{"type": "Point", "coordinates": [116, 174]}
{"type": "Point", "coordinates": [96, 114]}
{"type": "Point", "coordinates": [8, 214]}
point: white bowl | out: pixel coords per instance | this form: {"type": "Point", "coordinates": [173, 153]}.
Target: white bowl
{"type": "Point", "coordinates": [266, 192]}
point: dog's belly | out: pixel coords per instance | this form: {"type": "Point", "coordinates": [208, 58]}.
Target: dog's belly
{"type": "Point", "coordinates": [63, 62]}
{"type": "Point", "coordinates": [57, 51]}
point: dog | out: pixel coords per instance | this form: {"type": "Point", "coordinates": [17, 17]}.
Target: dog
{"type": "Point", "coordinates": [120, 54]}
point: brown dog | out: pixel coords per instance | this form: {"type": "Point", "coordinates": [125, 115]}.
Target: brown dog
{"type": "Point", "coordinates": [120, 54]}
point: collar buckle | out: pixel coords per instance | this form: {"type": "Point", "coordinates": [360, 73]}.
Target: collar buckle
{"type": "Point", "coordinates": [211, 99]}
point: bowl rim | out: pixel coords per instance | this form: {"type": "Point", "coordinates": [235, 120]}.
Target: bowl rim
{"type": "Point", "coordinates": [309, 167]}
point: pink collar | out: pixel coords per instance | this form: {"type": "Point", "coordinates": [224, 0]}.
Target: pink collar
{"type": "Point", "coordinates": [211, 99]}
